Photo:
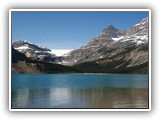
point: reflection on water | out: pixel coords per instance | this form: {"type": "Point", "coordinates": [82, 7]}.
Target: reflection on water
{"type": "Point", "coordinates": [80, 98]}
{"type": "Point", "coordinates": [79, 91]}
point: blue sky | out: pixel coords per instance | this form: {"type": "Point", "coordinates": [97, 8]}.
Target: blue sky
{"type": "Point", "coordinates": [68, 30]}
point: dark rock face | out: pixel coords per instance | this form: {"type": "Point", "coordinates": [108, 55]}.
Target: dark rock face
{"type": "Point", "coordinates": [17, 56]}
{"type": "Point", "coordinates": [20, 65]}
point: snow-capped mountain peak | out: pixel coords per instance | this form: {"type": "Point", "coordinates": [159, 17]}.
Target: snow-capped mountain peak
{"type": "Point", "coordinates": [33, 51]}
{"type": "Point", "coordinates": [111, 42]}
{"type": "Point", "coordinates": [24, 44]}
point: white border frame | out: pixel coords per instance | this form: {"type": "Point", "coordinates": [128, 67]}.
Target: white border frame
{"type": "Point", "coordinates": [10, 44]}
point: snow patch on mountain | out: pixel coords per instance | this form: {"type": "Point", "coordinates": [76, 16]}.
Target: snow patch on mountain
{"type": "Point", "coordinates": [118, 38]}
{"type": "Point", "coordinates": [58, 52]}
{"type": "Point", "coordinates": [22, 47]}
{"type": "Point", "coordinates": [139, 42]}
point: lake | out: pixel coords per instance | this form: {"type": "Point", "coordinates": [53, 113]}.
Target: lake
{"type": "Point", "coordinates": [79, 91]}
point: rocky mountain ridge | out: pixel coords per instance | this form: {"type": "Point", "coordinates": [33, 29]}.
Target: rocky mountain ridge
{"type": "Point", "coordinates": [111, 42]}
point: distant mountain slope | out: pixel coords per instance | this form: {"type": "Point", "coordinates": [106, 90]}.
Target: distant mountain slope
{"type": "Point", "coordinates": [34, 52]}
{"type": "Point", "coordinates": [23, 45]}
{"type": "Point", "coordinates": [126, 61]}
{"type": "Point", "coordinates": [22, 64]}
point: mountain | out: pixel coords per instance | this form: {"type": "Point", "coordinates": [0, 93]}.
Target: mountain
{"type": "Point", "coordinates": [22, 64]}
{"type": "Point", "coordinates": [35, 52]}
{"type": "Point", "coordinates": [114, 50]}
{"type": "Point", "coordinates": [24, 46]}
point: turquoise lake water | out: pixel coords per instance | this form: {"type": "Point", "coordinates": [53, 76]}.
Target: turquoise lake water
{"type": "Point", "coordinates": [79, 91]}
